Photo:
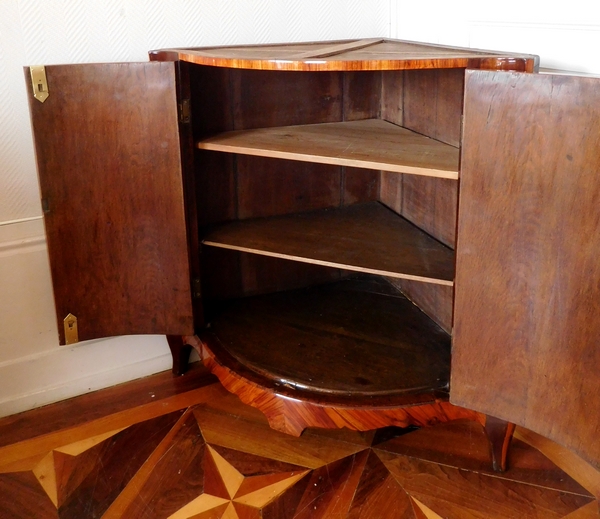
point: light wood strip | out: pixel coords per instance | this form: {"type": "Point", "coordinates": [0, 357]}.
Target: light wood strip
{"type": "Point", "coordinates": [579, 469]}
{"type": "Point", "coordinates": [589, 511]}
{"type": "Point", "coordinates": [76, 448]}
{"type": "Point", "coordinates": [370, 143]}
{"type": "Point", "coordinates": [428, 512]}
{"type": "Point", "coordinates": [264, 496]}
{"type": "Point", "coordinates": [202, 503]}
{"type": "Point", "coordinates": [362, 238]}
{"type": "Point", "coordinates": [232, 479]}
{"type": "Point", "coordinates": [46, 474]}
{"type": "Point", "coordinates": [332, 50]}
{"type": "Point", "coordinates": [11, 455]}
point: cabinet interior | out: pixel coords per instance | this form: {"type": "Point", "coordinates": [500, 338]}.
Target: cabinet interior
{"type": "Point", "coordinates": [296, 222]}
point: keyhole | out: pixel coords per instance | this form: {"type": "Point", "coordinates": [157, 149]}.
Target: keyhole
{"type": "Point", "coordinates": [40, 87]}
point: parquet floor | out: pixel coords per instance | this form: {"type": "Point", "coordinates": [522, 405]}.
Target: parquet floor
{"type": "Point", "coordinates": [166, 447]}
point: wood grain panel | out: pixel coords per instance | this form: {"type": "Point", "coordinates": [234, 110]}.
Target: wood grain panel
{"type": "Point", "coordinates": [369, 143]}
{"type": "Point", "coordinates": [268, 187]}
{"type": "Point", "coordinates": [360, 185]}
{"type": "Point", "coordinates": [355, 55]}
{"type": "Point", "coordinates": [115, 216]}
{"type": "Point", "coordinates": [392, 96]}
{"type": "Point", "coordinates": [431, 204]}
{"type": "Point", "coordinates": [266, 99]}
{"type": "Point", "coordinates": [528, 276]}
{"type": "Point", "coordinates": [435, 300]}
{"type": "Point", "coordinates": [362, 95]}
{"type": "Point", "coordinates": [364, 339]}
{"type": "Point", "coordinates": [363, 238]}
{"type": "Point", "coordinates": [433, 103]}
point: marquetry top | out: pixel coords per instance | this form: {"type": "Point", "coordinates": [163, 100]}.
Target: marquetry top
{"type": "Point", "coordinates": [365, 54]}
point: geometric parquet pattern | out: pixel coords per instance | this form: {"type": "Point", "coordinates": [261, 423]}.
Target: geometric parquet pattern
{"type": "Point", "coordinates": [202, 454]}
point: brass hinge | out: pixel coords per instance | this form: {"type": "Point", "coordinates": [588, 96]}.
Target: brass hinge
{"type": "Point", "coordinates": [39, 83]}
{"type": "Point", "coordinates": [185, 111]}
{"type": "Point", "coordinates": [71, 334]}
{"type": "Point", "coordinates": [196, 288]}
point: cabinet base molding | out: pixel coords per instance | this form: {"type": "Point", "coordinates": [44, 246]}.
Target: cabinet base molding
{"type": "Point", "coordinates": [291, 411]}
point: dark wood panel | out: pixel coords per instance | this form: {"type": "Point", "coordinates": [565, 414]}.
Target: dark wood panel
{"type": "Point", "coordinates": [431, 203]}
{"type": "Point", "coordinates": [363, 237]}
{"type": "Point", "coordinates": [435, 300]}
{"type": "Point", "coordinates": [390, 190]}
{"type": "Point", "coordinates": [392, 96]}
{"type": "Point", "coordinates": [271, 98]}
{"type": "Point", "coordinates": [115, 216]}
{"type": "Point", "coordinates": [360, 185]}
{"type": "Point", "coordinates": [362, 337]}
{"type": "Point", "coordinates": [433, 103]}
{"type": "Point", "coordinates": [268, 187]}
{"type": "Point", "coordinates": [362, 95]}
{"type": "Point", "coordinates": [528, 276]}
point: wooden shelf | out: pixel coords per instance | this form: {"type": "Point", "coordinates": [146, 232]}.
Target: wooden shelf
{"type": "Point", "coordinates": [354, 339]}
{"type": "Point", "coordinates": [370, 144]}
{"type": "Point", "coordinates": [366, 238]}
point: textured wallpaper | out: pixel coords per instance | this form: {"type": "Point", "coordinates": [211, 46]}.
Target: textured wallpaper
{"type": "Point", "coordinates": [78, 31]}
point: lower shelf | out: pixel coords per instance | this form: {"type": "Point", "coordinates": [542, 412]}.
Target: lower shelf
{"type": "Point", "coordinates": [355, 353]}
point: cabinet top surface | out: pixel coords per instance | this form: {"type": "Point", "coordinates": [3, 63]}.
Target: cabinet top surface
{"type": "Point", "coordinates": [363, 54]}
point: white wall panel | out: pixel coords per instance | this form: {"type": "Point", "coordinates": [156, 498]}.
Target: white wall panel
{"type": "Point", "coordinates": [566, 35]}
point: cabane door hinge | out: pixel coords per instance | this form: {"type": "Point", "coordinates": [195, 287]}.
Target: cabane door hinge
{"type": "Point", "coordinates": [185, 111]}
{"type": "Point", "coordinates": [71, 333]}
{"type": "Point", "coordinates": [39, 83]}
{"type": "Point", "coordinates": [196, 288]}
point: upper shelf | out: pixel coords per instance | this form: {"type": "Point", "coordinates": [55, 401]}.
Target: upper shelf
{"type": "Point", "coordinates": [363, 238]}
{"type": "Point", "coordinates": [366, 54]}
{"type": "Point", "coordinates": [370, 143]}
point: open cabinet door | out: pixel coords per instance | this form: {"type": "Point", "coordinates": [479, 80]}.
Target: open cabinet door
{"type": "Point", "coordinates": [527, 309]}
{"type": "Point", "coordinates": [109, 163]}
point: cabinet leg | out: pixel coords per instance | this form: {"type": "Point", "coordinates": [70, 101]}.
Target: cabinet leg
{"type": "Point", "coordinates": [499, 434]}
{"type": "Point", "coordinates": [180, 351]}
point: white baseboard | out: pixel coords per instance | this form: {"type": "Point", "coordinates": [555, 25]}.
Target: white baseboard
{"type": "Point", "coordinates": [69, 371]}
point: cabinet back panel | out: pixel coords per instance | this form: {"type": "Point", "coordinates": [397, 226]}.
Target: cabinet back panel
{"type": "Point", "coordinates": [269, 187]}
{"type": "Point", "coordinates": [211, 100]}
{"type": "Point", "coordinates": [431, 203]}
{"type": "Point", "coordinates": [435, 300]}
{"type": "Point", "coordinates": [362, 95]}
{"type": "Point", "coordinates": [263, 99]}
{"type": "Point", "coordinates": [359, 185]}
{"type": "Point", "coordinates": [392, 96]}
{"type": "Point", "coordinates": [432, 103]}
{"type": "Point", "coordinates": [232, 274]}
{"type": "Point", "coordinates": [215, 187]}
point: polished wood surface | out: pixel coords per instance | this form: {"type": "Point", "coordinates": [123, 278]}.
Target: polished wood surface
{"type": "Point", "coordinates": [384, 54]}
{"type": "Point", "coordinates": [115, 218]}
{"type": "Point", "coordinates": [355, 338]}
{"type": "Point", "coordinates": [206, 454]}
{"type": "Point", "coordinates": [363, 237]}
{"type": "Point", "coordinates": [370, 143]}
{"type": "Point", "coordinates": [527, 282]}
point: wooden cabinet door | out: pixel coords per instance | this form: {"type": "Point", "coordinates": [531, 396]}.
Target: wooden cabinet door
{"type": "Point", "coordinates": [109, 163]}
{"type": "Point", "coordinates": [527, 307]}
